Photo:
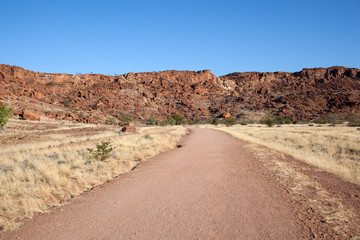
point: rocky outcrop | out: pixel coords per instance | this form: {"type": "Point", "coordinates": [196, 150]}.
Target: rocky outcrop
{"type": "Point", "coordinates": [28, 115]}
{"type": "Point", "coordinates": [306, 94]}
{"type": "Point", "coordinates": [129, 128]}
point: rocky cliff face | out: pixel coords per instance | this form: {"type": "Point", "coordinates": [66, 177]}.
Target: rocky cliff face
{"type": "Point", "coordinates": [306, 94]}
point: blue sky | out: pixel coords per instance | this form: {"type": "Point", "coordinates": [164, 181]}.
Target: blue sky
{"type": "Point", "coordinates": [116, 37]}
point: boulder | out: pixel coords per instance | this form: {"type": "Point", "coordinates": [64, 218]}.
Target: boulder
{"type": "Point", "coordinates": [226, 115]}
{"type": "Point", "coordinates": [28, 115]}
{"type": "Point", "coordinates": [129, 128]}
{"type": "Point", "coordinates": [17, 112]}
{"type": "Point", "coordinates": [73, 116]}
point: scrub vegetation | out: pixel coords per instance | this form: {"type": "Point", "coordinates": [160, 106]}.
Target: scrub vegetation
{"type": "Point", "coordinates": [44, 164]}
{"type": "Point", "coordinates": [333, 149]}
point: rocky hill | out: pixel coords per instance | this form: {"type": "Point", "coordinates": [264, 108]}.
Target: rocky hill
{"type": "Point", "coordinates": [307, 94]}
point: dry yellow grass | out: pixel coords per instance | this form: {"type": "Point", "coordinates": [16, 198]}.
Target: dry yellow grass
{"type": "Point", "coordinates": [333, 149]}
{"type": "Point", "coordinates": [307, 191]}
{"type": "Point", "coordinates": [43, 164]}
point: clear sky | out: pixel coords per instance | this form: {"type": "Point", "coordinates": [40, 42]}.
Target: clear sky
{"type": "Point", "coordinates": [116, 37]}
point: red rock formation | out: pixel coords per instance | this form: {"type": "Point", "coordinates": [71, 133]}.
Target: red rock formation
{"type": "Point", "coordinates": [129, 128]}
{"type": "Point", "coordinates": [28, 115]}
{"type": "Point", "coordinates": [305, 94]}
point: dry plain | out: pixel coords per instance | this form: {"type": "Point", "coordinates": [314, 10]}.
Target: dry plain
{"type": "Point", "coordinates": [214, 186]}
{"type": "Point", "coordinates": [44, 164]}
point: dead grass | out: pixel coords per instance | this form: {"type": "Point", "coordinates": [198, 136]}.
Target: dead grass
{"type": "Point", "coordinates": [315, 200]}
{"type": "Point", "coordinates": [333, 149]}
{"type": "Point", "coordinates": [43, 164]}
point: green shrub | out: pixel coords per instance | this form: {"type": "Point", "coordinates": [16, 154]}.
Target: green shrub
{"type": "Point", "coordinates": [332, 118]}
{"type": "Point", "coordinates": [169, 121]}
{"type": "Point", "coordinates": [354, 124]}
{"type": "Point", "coordinates": [352, 117]}
{"type": "Point", "coordinates": [215, 121]}
{"type": "Point", "coordinates": [192, 122]}
{"type": "Point", "coordinates": [353, 120]}
{"type": "Point", "coordinates": [102, 150]}
{"type": "Point", "coordinates": [287, 121]}
{"type": "Point", "coordinates": [268, 120]}
{"type": "Point", "coordinates": [5, 114]}
{"type": "Point", "coordinates": [319, 121]}
{"type": "Point", "coordinates": [152, 121]}
{"type": "Point", "coordinates": [229, 121]}
{"type": "Point", "coordinates": [279, 119]}
{"type": "Point", "coordinates": [179, 119]}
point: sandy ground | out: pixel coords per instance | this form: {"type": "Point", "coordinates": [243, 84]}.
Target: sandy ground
{"type": "Point", "coordinates": [210, 188]}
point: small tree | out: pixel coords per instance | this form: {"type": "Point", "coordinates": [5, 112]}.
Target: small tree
{"type": "Point", "coordinates": [179, 119]}
{"type": "Point", "coordinates": [169, 121]}
{"type": "Point", "coordinates": [5, 114]}
{"type": "Point", "coordinates": [353, 120]}
{"type": "Point", "coordinates": [332, 118]}
{"type": "Point", "coordinates": [102, 150]}
{"type": "Point", "coordinates": [268, 120]}
{"type": "Point", "coordinates": [352, 117]}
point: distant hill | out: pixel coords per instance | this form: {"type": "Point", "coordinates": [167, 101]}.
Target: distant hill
{"type": "Point", "coordinates": [307, 94]}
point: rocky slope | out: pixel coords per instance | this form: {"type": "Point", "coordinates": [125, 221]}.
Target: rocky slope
{"type": "Point", "coordinates": [308, 94]}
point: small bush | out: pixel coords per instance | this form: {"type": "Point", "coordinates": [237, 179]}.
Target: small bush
{"type": "Point", "coordinates": [147, 136]}
{"type": "Point", "coordinates": [169, 121]}
{"type": "Point", "coordinates": [192, 122]}
{"type": "Point", "coordinates": [215, 121]}
{"type": "Point", "coordinates": [268, 120]}
{"type": "Point", "coordinates": [319, 121]}
{"type": "Point", "coordinates": [353, 120]}
{"type": "Point", "coordinates": [279, 119]}
{"type": "Point", "coordinates": [354, 124]}
{"type": "Point", "coordinates": [152, 121]}
{"type": "Point", "coordinates": [102, 150]}
{"type": "Point", "coordinates": [229, 121]}
{"type": "Point", "coordinates": [287, 121]}
{"type": "Point", "coordinates": [332, 118]}
{"type": "Point", "coordinates": [179, 119]}
{"type": "Point", "coordinates": [352, 117]}
{"type": "Point", "coordinates": [5, 114]}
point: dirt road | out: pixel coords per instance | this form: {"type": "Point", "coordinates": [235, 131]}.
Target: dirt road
{"type": "Point", "coordinates": [210, 188]}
